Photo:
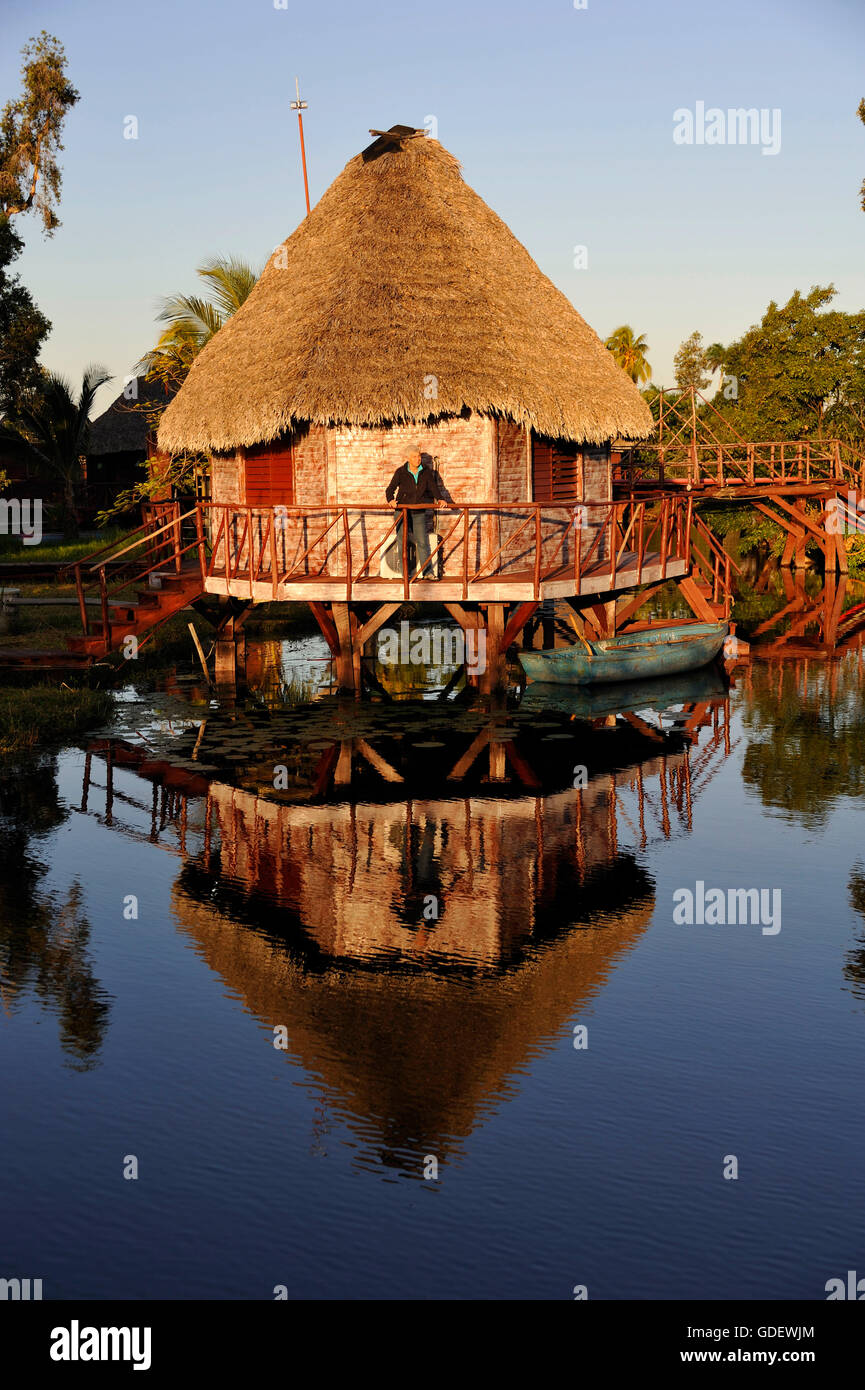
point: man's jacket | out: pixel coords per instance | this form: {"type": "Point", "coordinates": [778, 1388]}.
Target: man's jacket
{"type": "Point", "coordinates": [408, 491]}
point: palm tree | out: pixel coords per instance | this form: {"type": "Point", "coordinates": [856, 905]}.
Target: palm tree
{"type": "Point", "coordinates": [630, 353]}
{"type": "Point", "coordinates": [55, 424]}
{"type": "Point", "coordinates": [192, 320]}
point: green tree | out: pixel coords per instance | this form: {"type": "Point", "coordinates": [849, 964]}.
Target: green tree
{"type": "Point", "coordinates": [630, 353]}
{"type": "Point", "coordinates": [800, 372]}
{"type": "Point", "coordinates": [22, 327]}
{"type": "Point", "coordinates": [30, 131]}
{"type": "Point", "coordinates": [690, 363]}
{"type": "Point", "coordinates": [55, 423]}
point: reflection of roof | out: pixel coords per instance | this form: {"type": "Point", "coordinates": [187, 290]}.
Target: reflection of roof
{"type": "Point", "coordinates": [122, 428]}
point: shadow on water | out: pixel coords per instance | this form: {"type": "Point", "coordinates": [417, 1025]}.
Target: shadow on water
{"type": "Point", "coordinates": [419, 901]}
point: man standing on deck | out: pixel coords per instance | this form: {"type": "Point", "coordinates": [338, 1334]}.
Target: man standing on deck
{"type": "Point", "coordinates": [411, 485]}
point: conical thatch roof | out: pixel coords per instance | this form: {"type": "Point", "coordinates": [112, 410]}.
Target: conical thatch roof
{"type": "Point", "coordinates": [401, 274]}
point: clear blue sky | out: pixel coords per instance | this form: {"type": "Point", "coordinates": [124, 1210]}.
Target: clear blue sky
{"type": "Point", "coordinates": [562, 118]}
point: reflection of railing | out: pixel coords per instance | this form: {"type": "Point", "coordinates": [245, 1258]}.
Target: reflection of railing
{"type": "Point", "coordinates": [478, 546]}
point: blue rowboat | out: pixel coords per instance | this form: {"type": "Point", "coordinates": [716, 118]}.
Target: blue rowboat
{"type": "Point", "coordinates": [658, 651]}
{"type": "Point", "coordinates": [660, 693]}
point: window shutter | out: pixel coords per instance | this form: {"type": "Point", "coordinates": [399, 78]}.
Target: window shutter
{"type": "Point", "coordinates": [270, 475]}
{"type": "Point", "coordinates": [557, 470]}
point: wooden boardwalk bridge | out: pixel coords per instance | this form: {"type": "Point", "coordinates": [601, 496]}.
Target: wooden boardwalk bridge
{"type": "Point", "coordinates": [813, 489]}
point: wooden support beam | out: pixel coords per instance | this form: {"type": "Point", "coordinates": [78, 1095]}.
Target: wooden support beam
{"type": "Point", "coordinates": [516, 622]}
{"type": "Point", "coordinates": [325, 622]}
{"type": "Point", "coordinates": [468, 620]}
{"type": "Point", "coordinates": [372, 625]}
{"type": "Point", "coordinates": [521, 767]}
{"type": "Point", "coordinates": [345, 676]}
{"type": "Point", "coordinates": [462, 765]}
{"type": "Point", "coordinates": [643, 726]}
{"type": "Point", "coordinates": [629, 606]}
{"type": "Point", "coordinates": [696, 600]}
{"type": "Point", "coordinates": [381, 765]}
{"type": "Point", "coordinates": [342, 772]}
{"type": "Point", "coordinates": [356, 652]}
{"type": "Point", "coordinates": [493, 676]}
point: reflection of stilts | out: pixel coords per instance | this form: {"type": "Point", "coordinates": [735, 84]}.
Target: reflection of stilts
{"type": "Point", "coordinates": [824, 611]}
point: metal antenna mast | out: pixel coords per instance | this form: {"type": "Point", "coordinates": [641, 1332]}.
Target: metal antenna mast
{"type": "Point", "coordinates": [300, 106]}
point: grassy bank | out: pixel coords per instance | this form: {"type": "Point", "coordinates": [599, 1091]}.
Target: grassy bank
{"type": "Point", "coordinates": [42, 714]}
{"type": "Point", "coordinates": [12, 550]}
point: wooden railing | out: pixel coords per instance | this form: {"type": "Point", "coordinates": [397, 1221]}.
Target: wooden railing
{"type": "Point", "coordinates": [738, 464]}
{"type": "Point", "coordinates": [154, 546]}
{"type": "Point", "coordinates": [477, 544]}
{"type": "Point", "coordinates": [713, 563]}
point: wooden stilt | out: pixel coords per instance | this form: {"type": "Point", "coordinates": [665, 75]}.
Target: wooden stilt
{"type": "Point", "coordinates": [696, 600]}
{"type": "Point", "coordinates": [493, 678]}
{"type": "Point", "coordinates": [343, 656]}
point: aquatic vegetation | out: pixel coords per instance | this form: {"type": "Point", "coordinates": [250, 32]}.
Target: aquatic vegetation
{"type": "Point", "coordinates": [47, 714]}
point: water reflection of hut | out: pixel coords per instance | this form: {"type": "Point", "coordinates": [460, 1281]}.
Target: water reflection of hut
{"type": "Point", "coordinates": [417, 1023]}
{"type": "Point", "coordinates": [356, 878]}
{"type": "Point", "coordinates": [413, 1059]}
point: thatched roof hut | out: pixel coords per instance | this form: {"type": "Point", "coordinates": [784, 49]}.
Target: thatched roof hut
{"type": "Point", "coordinates": [402, 298]}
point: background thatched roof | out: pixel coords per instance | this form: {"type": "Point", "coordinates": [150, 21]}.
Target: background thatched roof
{"type": "Point", "coordinates": [401, 274]}
{"type": "Point", "coordinates": [123, 427]}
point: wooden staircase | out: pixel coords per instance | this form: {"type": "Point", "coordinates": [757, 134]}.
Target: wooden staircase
{"type": "Point", "coordinates": [162, 562]}
{"type": "Point", "coordinates": [709, 588]}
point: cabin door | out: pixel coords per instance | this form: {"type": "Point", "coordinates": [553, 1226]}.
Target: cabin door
{"type": "Point", "coordinates": [270, 475]}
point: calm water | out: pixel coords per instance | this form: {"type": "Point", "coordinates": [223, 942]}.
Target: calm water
{"type": "Point", "coordinates": [422, 914]}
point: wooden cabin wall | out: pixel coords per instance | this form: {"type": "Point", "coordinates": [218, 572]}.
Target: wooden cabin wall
{"type": "Point", "coordinates": [226, 479]}
{"type": "Point", "coordinates": [481, 460]}
{"type": "Point", "coordinates": [363, 461]}
{"type": "Point", "coordinates": [511, 485]}
{"type": "Point", "coordinates": [597, 473]}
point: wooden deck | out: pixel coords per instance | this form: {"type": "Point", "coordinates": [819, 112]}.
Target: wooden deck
{"type": "Point", "coordinates": [517, 587]}
{"type": "Point", "coordinates": [482, 553]}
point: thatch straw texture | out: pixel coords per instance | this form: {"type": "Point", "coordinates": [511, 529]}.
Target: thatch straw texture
{"type": "Point", "coordinates": [400, 298]}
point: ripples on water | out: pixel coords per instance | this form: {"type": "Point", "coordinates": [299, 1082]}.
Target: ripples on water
{"type": "Point", "coordinates": [419, 915]}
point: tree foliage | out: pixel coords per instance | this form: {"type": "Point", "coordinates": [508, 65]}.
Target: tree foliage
{"type": "Point", "coordinates": [630, 351]}
{"type": "Point", "coordinates": [192, 320]}
{"type": "Point", "coordinates": [30, 131]}
{"type": "Point", "coordinates": [800, 372]}
{"type": "Point", "coordinates": [54, 422]}
{"type": "Point", "coordinates": [22, 327]}
{"type": "Point", "coordinates": [690, 364]}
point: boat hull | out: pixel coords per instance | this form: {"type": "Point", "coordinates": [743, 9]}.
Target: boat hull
{"type": "Point", "coordinates": [662, 651]}
{"type": "Point", "coordinates": [658, 693]}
